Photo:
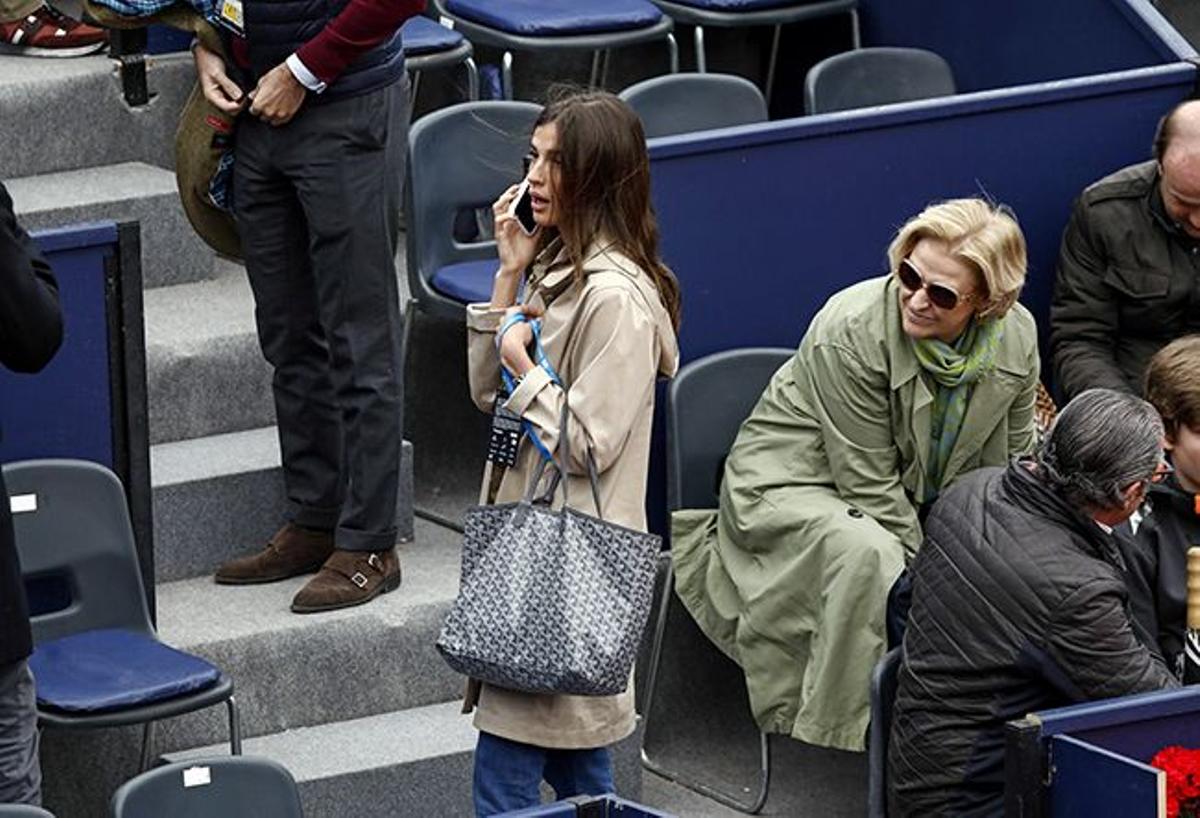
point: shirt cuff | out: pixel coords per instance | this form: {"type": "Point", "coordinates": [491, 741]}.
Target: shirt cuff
{"type": "Point", "coordinates": [305, 77]}
{"type": "Point", "coordinates": [535, 381]}
{"type": "Point", "coordinates": [483, 317]}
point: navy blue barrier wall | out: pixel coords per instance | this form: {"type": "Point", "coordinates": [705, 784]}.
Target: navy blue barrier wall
{"type": "Point", "coordinates": [89, 403]}
{"type": "Point", "coordinates": [1093, 758]}
{"type": "Point", "coordinates": [763, 223]}
{"type": "Point", "coordinates": [1018, 42]}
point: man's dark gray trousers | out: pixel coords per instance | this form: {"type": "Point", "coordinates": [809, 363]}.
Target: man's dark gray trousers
{"type": "Point", "coordinates": [317, 203]}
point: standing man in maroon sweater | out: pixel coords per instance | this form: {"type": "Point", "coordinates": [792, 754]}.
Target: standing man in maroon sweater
{"type": "Point", "coordinates": [319, 166]}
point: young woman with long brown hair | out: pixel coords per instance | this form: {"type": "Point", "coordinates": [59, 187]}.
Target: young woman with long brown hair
{"type": "Point", "coordinates": [607, 310]}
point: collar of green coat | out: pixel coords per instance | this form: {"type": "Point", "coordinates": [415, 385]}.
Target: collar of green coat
{"type": "Point", "coordinates": [990, 400]}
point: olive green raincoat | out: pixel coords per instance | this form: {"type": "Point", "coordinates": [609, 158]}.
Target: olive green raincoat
{"type": "Point", "coordinates": [817, 517]}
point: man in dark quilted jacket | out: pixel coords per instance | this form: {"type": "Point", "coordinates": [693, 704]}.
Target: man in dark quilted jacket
{"type": "Point", "coordinates": [30, 333]}
{"type": "Point", "coordinates": [1019, 604]}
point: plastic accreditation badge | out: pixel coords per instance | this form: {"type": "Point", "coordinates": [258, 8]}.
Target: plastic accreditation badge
{"type": "Point", "coordinates": [230, 16]}
{"type": "Point", "coordinates": [507, 430]}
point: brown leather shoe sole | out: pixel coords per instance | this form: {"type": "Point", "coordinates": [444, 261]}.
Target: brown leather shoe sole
{"type": "Point", "coordinates": [389, 584]}
{"type": "Point", "coordinates": [263, 580]}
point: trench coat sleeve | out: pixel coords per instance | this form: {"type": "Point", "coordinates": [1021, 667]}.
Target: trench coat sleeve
{"type": "Point", "coordinates": [1084, 315]}
{"type": "Point", "coordinates": [1094, 650]}
{"type": "Point", "coordinates": [613, 361]}
{"type": "Point", "coordinates": [851, 401]}
{"type": "Point", "coordinates": [30, 318]}
{"type": "Point", "coordinates": [483, 362]}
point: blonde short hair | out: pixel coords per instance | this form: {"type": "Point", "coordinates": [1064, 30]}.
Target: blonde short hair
{"type": "Point", "coordinates": [982, 235]}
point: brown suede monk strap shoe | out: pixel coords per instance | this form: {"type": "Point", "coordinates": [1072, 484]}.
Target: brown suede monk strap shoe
{"type": "Point", "coordinates": [291, 552]}
{"type": "Point", "coordinates": [349, 578]}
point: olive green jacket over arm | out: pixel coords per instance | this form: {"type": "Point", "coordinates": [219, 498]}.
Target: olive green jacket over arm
{"type": "Point", "coordinates": [1128, 283]}
{"type": "Point", "coordinates": [817, 520]}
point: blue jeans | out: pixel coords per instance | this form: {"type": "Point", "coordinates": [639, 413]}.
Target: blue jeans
{"type": "Point", "coordinates": [508, 774]}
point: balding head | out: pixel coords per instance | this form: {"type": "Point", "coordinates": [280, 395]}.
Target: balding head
{"type": "Point", "coordinates": [1180, 129]}
{"type": "Point", "coordinates": [1177, 148]}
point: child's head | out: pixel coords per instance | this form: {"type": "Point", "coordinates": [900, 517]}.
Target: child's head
{"type": "Point", "coordinates": [1173, 388]}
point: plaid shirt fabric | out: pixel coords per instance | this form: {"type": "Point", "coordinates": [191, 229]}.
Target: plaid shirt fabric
{"type": "Point", "coordinates": [145, 8]}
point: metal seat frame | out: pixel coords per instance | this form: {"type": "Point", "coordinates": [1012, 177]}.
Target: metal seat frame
{"type": "Point", "coordinates": [686, 488]}
{"type": "Point", "coordinates": [600, 43]}
{"type": "Point", "coordinates": [461, 54]}
{"type": "Point", "coordinates": [775, 17]}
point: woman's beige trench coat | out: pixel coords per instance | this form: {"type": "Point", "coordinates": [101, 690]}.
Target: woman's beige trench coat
{"type": "Point", "coordinates": [816, 516]}
{"type": "Point", "coordinates": [609, 338]}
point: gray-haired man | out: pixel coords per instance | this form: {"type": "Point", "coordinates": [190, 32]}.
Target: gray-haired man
{"type": "Point", "coordinates": [1019, 604]}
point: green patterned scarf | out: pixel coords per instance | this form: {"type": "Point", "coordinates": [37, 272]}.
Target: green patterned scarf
{"type": "Point", "coordinates": [955, 370]}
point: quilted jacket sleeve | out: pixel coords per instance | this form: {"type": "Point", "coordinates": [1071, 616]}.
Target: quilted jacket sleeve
{"type": "Point", "coordinates": [1092, 642]}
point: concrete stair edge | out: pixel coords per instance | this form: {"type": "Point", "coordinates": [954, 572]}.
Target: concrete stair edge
{"type": "Point", "coordinates": [172, 253]}
{"type": "Point", "coordinates": [222, 496]}
{"type": "Point", "coordinates": [370, 763]}
{"type": "Point", "coordinates": [79, 116]}
{"type": "Point", "coordinates": [294, 670]}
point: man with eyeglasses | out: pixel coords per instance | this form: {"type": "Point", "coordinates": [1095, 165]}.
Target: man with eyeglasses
{"type": "Point", "coordinates": [1020, 604]}
{"type": "Point", "coordinates": [1129, 268]}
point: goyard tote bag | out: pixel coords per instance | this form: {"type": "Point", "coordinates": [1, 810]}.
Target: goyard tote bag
{"type": "Point", "coordinates": [550, 601]}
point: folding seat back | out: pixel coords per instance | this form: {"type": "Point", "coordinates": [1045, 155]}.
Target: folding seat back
{"type": "Point", "coordinates": [239, 787]}
{"type": "Point", "coordinates": [684, 103]}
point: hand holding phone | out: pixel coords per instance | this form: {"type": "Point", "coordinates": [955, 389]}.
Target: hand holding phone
{"type": "Point", "coordinates": [521, 209]}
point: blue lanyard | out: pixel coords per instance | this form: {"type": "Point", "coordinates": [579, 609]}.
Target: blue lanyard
{"type": "Point", "coordinates": [539, 358]}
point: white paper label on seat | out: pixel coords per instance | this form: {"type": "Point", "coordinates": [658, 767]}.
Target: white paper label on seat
{"type": "Point", "coordinates": [197, 776]}
{"type": "Point", "coordinates": [446, 21]}
{"type": "Point", "coordinates": [22, 503]}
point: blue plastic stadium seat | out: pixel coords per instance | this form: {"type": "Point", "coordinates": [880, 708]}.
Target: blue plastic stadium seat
{"type": "Point", "coordinates": [735, 5]}
{"type": "Point", "coordinates": [101, 670]}
{"type": "Point", "coordinates": [542, 18]}
{"type": "Point", "coordinates": [421, 35]}
{"type": "Point", "coordinates": [467, 281]}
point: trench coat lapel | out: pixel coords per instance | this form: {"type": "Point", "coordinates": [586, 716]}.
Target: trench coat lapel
{"type": "Point", "coordinates": [920, 414]}
{"type": "Point", "coordinates": [990, 402]}
{"type": "Point", "coordinates": [914, 398]}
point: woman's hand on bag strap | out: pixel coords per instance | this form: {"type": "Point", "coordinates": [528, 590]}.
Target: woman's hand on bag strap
{"type": "Point", "coordinates": [515, 336]}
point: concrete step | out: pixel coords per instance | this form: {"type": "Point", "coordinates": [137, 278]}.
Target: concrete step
{"type": "Point", "coordinates": [172, 253]}
{"type": "Point", "coordinates": [69, 114]}
{"type": "Point", "coordinates": [412, 762]}
{"type": "Point", "coordinates": [221, 496]}
{"type": "Point", "coordinates": [205, 373]}
{"type": "Point", "coordinates": [296, 670]}
{"type": "Point", "coordinates": [204, 369]}
{"type": "Point", "coordinates": [415, 762]}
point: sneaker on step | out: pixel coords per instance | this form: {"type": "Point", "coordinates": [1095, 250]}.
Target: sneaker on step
{"type": "Point", "coordinates": [47, 32]}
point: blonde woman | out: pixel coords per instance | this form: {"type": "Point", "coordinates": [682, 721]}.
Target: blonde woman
{"type": "Point", "coordinates": [901, 384]}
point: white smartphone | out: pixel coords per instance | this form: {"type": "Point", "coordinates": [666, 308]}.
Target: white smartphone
{"type": "Point", "coordinates": [521, 209]}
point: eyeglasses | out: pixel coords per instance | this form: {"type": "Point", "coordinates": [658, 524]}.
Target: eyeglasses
{"type": "Point", "coordinates": [1161, 472]}
{"type": "Point", "coordinates": [942, 296]}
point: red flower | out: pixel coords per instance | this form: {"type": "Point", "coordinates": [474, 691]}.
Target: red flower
{"type": "Point", "coordinates": [1182, 767]}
